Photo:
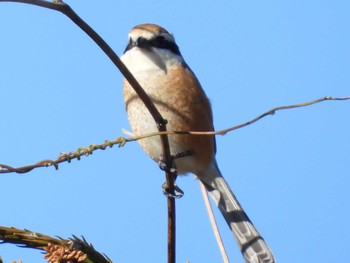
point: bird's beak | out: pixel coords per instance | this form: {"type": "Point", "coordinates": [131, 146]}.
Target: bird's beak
{"type": "Point", "coordinates": [140, 43]}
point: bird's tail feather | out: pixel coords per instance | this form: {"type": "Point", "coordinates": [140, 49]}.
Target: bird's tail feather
{"type": "Point", "coordinates": [252, 245]}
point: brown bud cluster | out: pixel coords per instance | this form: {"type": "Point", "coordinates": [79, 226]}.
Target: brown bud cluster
{"type": "Point", "coordinates": [59, 254]}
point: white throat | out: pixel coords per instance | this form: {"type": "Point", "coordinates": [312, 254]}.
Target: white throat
{"type": "Point", "coordinates": [139, 60]}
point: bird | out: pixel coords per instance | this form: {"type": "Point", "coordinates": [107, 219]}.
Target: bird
{"type": "Point", "coordinates": [155, 60]}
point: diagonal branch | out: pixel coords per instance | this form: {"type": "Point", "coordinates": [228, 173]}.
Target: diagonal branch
{"type": "Point", "coordinates": [60, 6]}
{"type": "Point", "coordinates": [68, 11]}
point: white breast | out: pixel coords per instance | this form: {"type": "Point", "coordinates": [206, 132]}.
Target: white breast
{"type": "Point", "coordinates": [140, 61]}
{"type": "Point", "coordinates": [151, 71]}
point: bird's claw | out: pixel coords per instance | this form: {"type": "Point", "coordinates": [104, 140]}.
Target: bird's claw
{"type": "Point", "coordinates": [176, 193]}
{"type": "Point", "coordinates": [163, 166]}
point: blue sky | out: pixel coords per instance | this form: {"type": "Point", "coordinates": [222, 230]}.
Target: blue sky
{"type": "Point", "coordinates": [290, 171]}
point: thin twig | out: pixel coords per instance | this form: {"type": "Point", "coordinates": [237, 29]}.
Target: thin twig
{"type": "Point", "coordinates": [121, 141]}
{"type": "Point", "coordinates": [64, 157]}
{"type": "Point", "coordinates": [242, 125]}
{"type": "Point", "coordinates": [214, 224]}
{"type": "Point", "coordinates": [274, 110]}
{"type": "Point", "coordinates": [171, 225]}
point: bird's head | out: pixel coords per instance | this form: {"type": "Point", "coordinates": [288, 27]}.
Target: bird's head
{"type": "Point", "coordinates": [151, 36]}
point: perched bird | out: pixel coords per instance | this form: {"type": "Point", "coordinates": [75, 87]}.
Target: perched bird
{"type": "Point", "coordinates": [155, 60]}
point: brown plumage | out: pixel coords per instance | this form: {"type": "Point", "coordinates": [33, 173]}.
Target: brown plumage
{"type": "Point", "coordinates": [156, 62]}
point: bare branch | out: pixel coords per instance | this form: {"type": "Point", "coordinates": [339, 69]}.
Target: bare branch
{"type": "Point", "coordinates": [121, 141]}
{"type": "Point", "coordinates": [274, 110]}
{"type": "Point", "coordinates": [64, 157]}
{"type": "Point", "coordinates": [239, 126]}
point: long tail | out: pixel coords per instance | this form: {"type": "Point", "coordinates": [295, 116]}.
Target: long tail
{"type": "Point", "coordinates": [252, 245]}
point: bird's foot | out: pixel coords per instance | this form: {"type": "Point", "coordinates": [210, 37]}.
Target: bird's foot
{"type": "Point", "coordinates": [177, 193]}
{"type": "Point", "coordinates": [164, 167]}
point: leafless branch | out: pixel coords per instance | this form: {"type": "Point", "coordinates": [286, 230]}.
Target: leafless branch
{"type": "Point", "coordinates": [121, 141]}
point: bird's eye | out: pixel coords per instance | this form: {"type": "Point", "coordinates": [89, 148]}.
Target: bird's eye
{"type": "Point", "coordinates": [160, 42]}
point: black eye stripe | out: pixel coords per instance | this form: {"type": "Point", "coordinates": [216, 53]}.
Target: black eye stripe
{"type": "Point", "coordinates": [158, 42]}
{"type": "Point", "coordinates": [162, 42]}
